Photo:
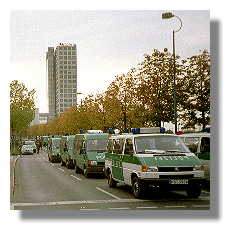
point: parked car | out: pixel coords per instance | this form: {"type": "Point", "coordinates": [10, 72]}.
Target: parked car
{"type": "Point", "coordinates": [89, 153]}
{"type": "Point", "coordinates": [66, 150]}
{"type": "Point", "coordinates": [159, 161]}
{"type": "Point", "coordinates": [54, 150]}
{"type": "Point", "coordinates": [199, 144]}
{"type": "Point", "coordinates": [27, 149]}
{"type": "Point", "coordinates": [31, 143]}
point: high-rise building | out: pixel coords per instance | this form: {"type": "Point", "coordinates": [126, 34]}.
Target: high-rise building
{"type": "Point", "coordinates": [62, 78]}
{"type": "Point", "coordinates": [51, 82]}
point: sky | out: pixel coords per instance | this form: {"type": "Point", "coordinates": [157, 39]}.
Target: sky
{"type": "Point", "coordinates": [109, 43]}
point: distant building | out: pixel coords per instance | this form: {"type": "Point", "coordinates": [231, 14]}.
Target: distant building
{"type": "Point", "coordinates": [36, 120]}
{"type": "Point", "coordinates": [61, 78]}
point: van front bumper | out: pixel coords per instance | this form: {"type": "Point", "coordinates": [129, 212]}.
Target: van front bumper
{"type": "Point", "coordinates": [95, 169]}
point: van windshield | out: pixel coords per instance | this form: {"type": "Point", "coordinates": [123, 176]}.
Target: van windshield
{"type": "Point", "coordinates": [159, 144]}
{"type": "Point", "coordinates": [96, 145]}
{"type": "Point", "coordinates": [29, 142]}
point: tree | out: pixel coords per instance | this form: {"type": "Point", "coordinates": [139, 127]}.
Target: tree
{"type": "Point", "coordinates": [196, 105]}
{"type": "Point", "coordinates": [21, 108]}
{"type": "Point", "coordinates": [155, 90]}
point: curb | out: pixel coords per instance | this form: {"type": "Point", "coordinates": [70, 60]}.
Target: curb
{"type": "Point", "coordinates": [13, 175]}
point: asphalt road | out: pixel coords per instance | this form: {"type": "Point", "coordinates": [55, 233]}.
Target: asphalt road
{"type": "Point", "coordinates": [40, 184]}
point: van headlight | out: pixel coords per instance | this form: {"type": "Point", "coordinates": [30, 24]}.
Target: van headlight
{"type": "Point", "coordinates": [198, 168]}
{"type": "Point", "coordinates": [149, 168]}
{"type": "Point", "coordinates": [92, 163]}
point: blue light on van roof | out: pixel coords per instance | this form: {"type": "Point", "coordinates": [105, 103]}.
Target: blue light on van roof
{"type": "Point", "coordinates": [81, 131]}
{"type": "Point", "coordinates": [162, 129]}
{"type": "Point", "coordinates": [135, 130]}
{"type": "Point", "coordinates": [207, 129]}
{"type": "Point", "coordinates": [110, 131]}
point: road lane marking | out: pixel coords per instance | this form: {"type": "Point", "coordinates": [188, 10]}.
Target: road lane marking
{"type": "Point", "coordinates": [147, 207]}
{"type": "Point", "coordinates": [110, 194]}
{"type": "Point", "coordinates": [175, 206]}
{"type": "Point", "coordinates": [60, 169]}
{"type": "Point", "coordinates": [200, 205]}
{"type": "Point", "coordinates": [75, 177]}
{"type": "Point", "coordinates": [25, 204]}
{"type": "Point", "coordinates": [120, 208]}
{"type": "Point", "coordinates": [58, 203]}
{"type": "Point", "coordinates": [87, 209]}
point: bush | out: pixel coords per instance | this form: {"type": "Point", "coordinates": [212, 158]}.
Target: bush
{"type": "Point", "coordinates": [15, 151]}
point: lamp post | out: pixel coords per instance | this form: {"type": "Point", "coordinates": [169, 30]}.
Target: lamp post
{"type": "Point", "coordinates": [79, 93]}
{"type": "Point", "coordinates": [168, 15]}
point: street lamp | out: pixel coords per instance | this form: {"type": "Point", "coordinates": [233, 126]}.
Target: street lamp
{"type": "Point", "coordinates": [79, 93]}
{"type": "Point", "coordinates": [168, 15]}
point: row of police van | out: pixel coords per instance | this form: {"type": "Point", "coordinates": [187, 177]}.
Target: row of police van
{"type": "Point", "coordinates": [142, 159]}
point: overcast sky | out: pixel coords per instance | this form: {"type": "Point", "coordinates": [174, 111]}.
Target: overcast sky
{"type": "Point", "coordinates": [109, 43]}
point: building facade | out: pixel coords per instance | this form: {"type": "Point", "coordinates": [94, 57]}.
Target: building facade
{"type": "Point", "coordinates": [62, 78]}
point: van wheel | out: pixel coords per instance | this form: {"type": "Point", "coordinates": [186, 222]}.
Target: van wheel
{"type": "Point", "coordinates": [194, 191]}
{"type": "Point", "coordinates": [138, 189]}
{"type": "Point", "coordinates": [77, 169]}
{"type": "Point", "coordinates": [111, 182]}
{"type": "Point", "coordinates": [68, 165]}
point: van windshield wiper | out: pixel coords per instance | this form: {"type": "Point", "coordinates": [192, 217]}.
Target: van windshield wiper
{"type": "Point", "coordinates": [154, 151]}
{"type": "Point", "coordinates": [173, 150]}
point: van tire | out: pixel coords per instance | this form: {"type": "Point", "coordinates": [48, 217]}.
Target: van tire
{"type": "Point", "coordinates": [138, 188]}
{"type": "Point", "coordinates": [194, 191]}
{"type": "Point", "coordinates": [77, 169]}
{"type": "Point", "coordinates": [111, 182]}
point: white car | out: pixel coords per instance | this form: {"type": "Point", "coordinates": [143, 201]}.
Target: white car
{"type": "Point", "coordinates": [31, 143]}
{"type": "Point", "coordinates": [27, 149]}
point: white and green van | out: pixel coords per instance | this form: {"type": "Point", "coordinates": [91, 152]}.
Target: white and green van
{"type": "Point", "coordinates": [152, 160]}
{"type": "Point", "coordinates": [199, 143]}
{"type": "Point", "coordinates": [89, 153]}
{"type": "Point", "coordinates": [54, 149]}
{"type": "Point", "coordinates": [66, 149]}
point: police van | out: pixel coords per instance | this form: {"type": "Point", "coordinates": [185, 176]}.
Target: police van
{"type": "Point", "coordinates": [67, 148]}
{"type": "Point", "coordinates": [54, 149]}
{"type": "Point", "coordinates": [152, 160]}
{"type": "Point", "coordinates": [89, 152]}
{"type": "Point", "coordinates": [199, 143]}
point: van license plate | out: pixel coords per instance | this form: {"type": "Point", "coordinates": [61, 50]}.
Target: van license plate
{"type": "Point", "coordinates": [179, 181]}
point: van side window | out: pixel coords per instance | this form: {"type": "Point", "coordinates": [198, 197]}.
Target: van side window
{"type": "Point", "coordinates": [205, 145]}
{"type": "Point", "coordinates": [110, 146]}
{"type": "Point", "coordinates": [65, 147]}
{"type": "Point", "coordinates": [83, 149]}
{"type": "Point", "coordinates": [129, 147]}
{"type": "Point", "coordinates": [192, 143]}
{"type": "Point", "coordinates": [118, 146]}
{"type": "Point", "coordinates": [79, 144]}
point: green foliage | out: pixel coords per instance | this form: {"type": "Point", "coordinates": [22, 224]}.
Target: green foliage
{"type": "Point", "coordinates": [21, 107]}
{"type": "Point", "coordinates": [196, 90]}
{"type": "Point", "coordinates": [143, 97]}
